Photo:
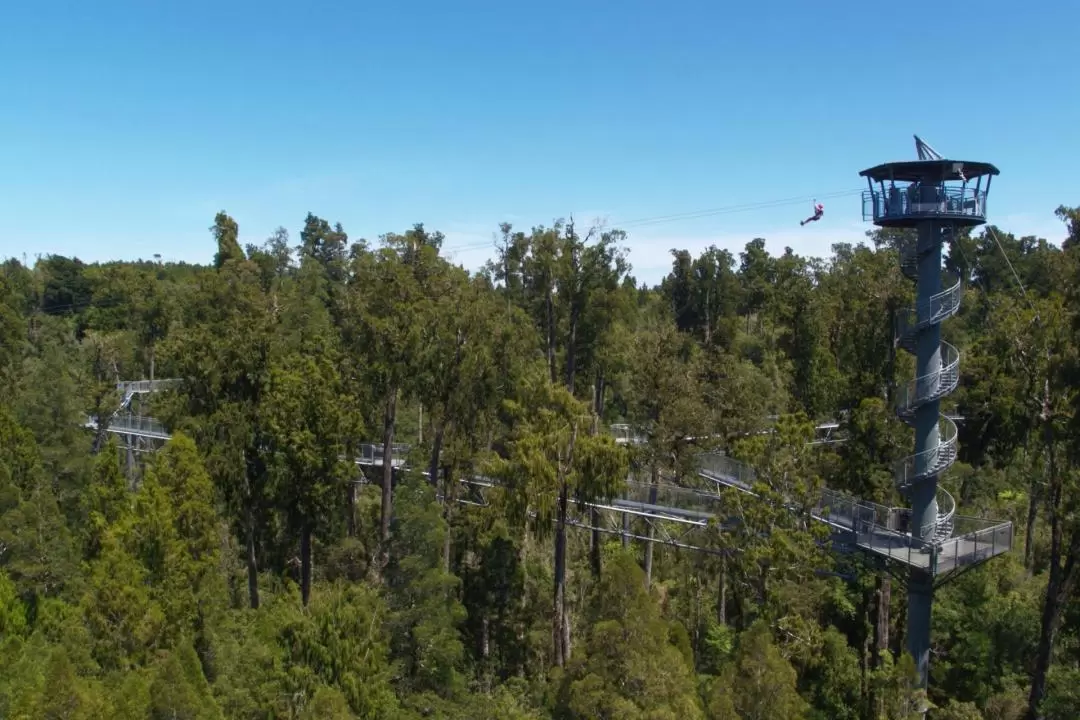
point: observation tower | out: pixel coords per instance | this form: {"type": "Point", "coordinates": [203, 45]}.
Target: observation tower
{"type": "Point", "coordinates": [936, 198]}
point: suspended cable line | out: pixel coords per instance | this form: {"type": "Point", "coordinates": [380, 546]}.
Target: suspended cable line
{"type": "Point", "coordinates": [697, 214]}
{"type": "Point", "coordinates": [1016, 275]}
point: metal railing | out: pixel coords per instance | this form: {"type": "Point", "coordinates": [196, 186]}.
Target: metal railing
{"type": "Point", "coordinates": [943, 529]}
{"type": "Point", "coordinates": [726, 471]}
{"type": "Point", "coordinates": [128, 424]}
{"type": "Point", "coordinates": [930, 387]}
{"type": "Point", "coordinates": [930, 462]}
{"type": "Point", "coordinates": [145, 386]}
{"type": "Point", "coordinates": [975, 541]}
{"type": "Point", "coordinates": [936, 310]}
{"type": "Point", "coordinates": [847, 512]}
{"type": "Point", "coordinates": [924, 201]}
{"type": "Point", "coordinates": [624, 434]}
{"type": "Point", "coordinates": [372, 454]}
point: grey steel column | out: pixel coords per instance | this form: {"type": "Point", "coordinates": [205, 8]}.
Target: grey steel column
{"type": "Point", "coordinates": [924, 509]}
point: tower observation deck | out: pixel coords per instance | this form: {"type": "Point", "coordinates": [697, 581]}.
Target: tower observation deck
{"type": "Point", "coordinates": [934, 197]}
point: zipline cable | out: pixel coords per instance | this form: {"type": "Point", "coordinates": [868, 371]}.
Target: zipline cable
{"type": "Point", "coordinates": [696, 214]}
{"type": "Point", "coordinates": [1016, 276]}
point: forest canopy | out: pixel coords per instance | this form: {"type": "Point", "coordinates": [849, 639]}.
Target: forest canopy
{"type": "Point", "coordinates": [379, 485]}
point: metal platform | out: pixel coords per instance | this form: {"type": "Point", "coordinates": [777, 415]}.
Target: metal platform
{"type": "Point", "coordinates": [880, 530]}
{"type": "Point", "coordinates": [133, 425]}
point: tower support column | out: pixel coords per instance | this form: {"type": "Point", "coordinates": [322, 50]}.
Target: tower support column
{"type": "Point", "coordinates": [924, 508]}
{"type": "Point", "coordinates": [927, 365]}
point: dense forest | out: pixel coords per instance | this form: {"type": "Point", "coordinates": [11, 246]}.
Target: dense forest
{"type": "Point", "coordinates": [248, 567]}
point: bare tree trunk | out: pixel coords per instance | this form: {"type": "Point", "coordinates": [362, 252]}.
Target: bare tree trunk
{"type": "Point", "coordinates": [560, 622]}
{"type": "Point", "coordinates": [883, 600]}
{"type": "Point", "coordinates": [561, 649]}
{"type": "Point", "coordinates": [305, 564]}
{"type": "Point", "coordinates": [595, 541]}
{"type": "Point", "coordinates": [1059, 589]}
{"type": "Point", "coordinates": [708, 317]}
{"type": "Point", "coordinates": [1063, 576]}
{"type": "Point", "coordinates": [1034, 498]}
{"type": "Point", "coordinates": [351, 500]}
{"type": "Point", "coordinates": [721, 602]}
{"type": "Point", "coordinates": [447, 505]}
{"type": "Point", "coordinates": [387, 509]}
{"type": "Point", "coordinates": [436, 450]}
{"type": "Point", "coordinates": [252, 565]}
{"type": "Point", "coordinates": [652, 529]}
{"type": "Point", "coordinates": [549, 304]}
{"type": "Point", "coordinates": [571, 350]}
{"type": "Point", "coordinates": [865, 693]}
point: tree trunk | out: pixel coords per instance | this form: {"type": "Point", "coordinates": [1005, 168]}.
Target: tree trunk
{"type": "Point", "coordinates": [599, 392]}
{"type": "Point", "coordinates": [387, 509]}
{"type": "Point", "coordinates": [436, 450]}
{"type": "Point", "coordinates": [865, 693]}
{"type": "Point", "coordinates": [1058, 590]}
{"type": "Point", "coordinates": [596, 542]}
{"type": "Point", "coordinates": [1034, 497]}
{"type": "Point", "coordinates": [721, 601]}
{"type": "Point", "coordinates": [305, 564]}
{"type": "Point", "coordinates": [881, 628]}
{"type": "Point", "coordinates": [571, 349]}
{"type": "Point", "coordinates": [447, 506]}
{"type": "Point", "coordinates": [351, 500]}
{"type": "Point", "coordinates": [252, 565]}
{"type": "Point", "coordinates": [560, 622]}
{"type": "Point", "coordinates": [883, 600]}
{"type": "Point", "coordinates": [1063, 577]}
{"type": "Point", "coordinates": [549, 305]}
{"type": "Point", "coordinates": [652, 529]}
{"type": "Point", "coordinates": [557, 631]}
{"type": "Point", "coordinates": [708, 317]}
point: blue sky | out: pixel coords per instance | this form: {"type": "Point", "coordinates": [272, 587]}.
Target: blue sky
{"type": "Point", "coordinates": [127, 125]}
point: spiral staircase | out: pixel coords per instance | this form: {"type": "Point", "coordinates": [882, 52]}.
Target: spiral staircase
{"type": "Point", "coordinates": [932, 387]}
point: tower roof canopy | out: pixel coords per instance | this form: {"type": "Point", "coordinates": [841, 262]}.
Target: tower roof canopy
{"type": "Point", "coordinates": [929, 170]}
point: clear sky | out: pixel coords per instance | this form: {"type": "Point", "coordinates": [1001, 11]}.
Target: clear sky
{"type": "Point", "coordinates": [127, 124]}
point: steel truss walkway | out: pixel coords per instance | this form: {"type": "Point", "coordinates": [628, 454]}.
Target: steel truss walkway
{"type": "Point", "coordinates": [675, 512]}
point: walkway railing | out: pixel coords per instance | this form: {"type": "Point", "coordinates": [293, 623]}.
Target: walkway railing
{"type": "Point", "coordinates": [921, 201]}
{"type": "Point", "coordinates": [932, 386]}
{"type": "Point", "coordinates": [928, 463]}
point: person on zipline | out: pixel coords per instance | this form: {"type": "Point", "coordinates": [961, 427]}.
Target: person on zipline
{"type": "Point", "coordinates": [819, 210]}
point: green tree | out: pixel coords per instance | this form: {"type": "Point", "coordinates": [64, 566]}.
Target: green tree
{"type": "Point", "coordinates": [222, 349]}
{"type": "Point", "coordinates": [226, 233]}
{"type": "Point", "coordinates": [550, 462]}
{"type": "Point", "coordinates": [665, 401]}
{"type": "Point", "coordinates": [759, 683]}
{"type": "Point", "coordinates": [389, 304]}
{"type": "Point", "coordinates": [628, 668]}
{"type": "Point", "coordinates": [305, 429]}
{"type": "Point", "coordinates": [427, 613]}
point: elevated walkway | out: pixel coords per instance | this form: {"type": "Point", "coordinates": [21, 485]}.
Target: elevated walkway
{"type": "Point", "coordinates": [882, 530]}
{"type": "Point", "coordinates": [958, 541]}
